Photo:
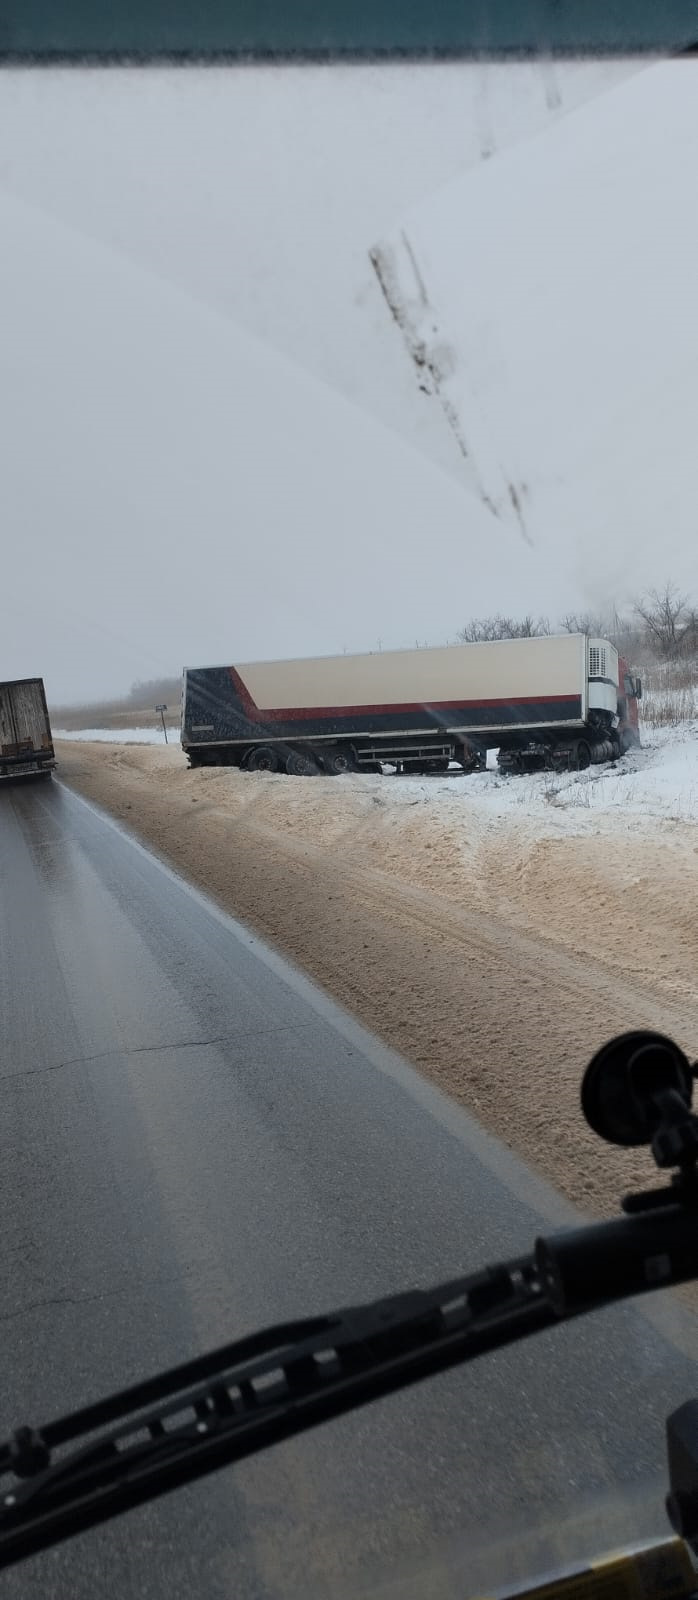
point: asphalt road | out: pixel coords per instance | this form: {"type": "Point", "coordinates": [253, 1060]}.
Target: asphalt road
{"type": "Point", "coordinates": [195, 1142]}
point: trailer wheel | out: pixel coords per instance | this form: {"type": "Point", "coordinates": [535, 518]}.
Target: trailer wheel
{"type": "Point", "coordinates": [338, 761]}
{"type": "Point", "coordinates": [300, 764]}
{"type": "Point", "coordinates": [582, 756]}
{"type": "Point", "coordinates": [262, 759]}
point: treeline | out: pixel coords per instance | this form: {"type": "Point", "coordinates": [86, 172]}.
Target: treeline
{"type": "Point", "coordinates": [661, 626]}
{"type": "Point", "coordinates": [150, 692]}
{"type": "Point", "coordinates": [140, 701]}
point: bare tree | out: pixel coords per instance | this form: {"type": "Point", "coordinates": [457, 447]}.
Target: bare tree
{"type": "Point", "coordinates": [486, 629]}
{"type": "Point", "coordinates": [624, 633]}
{"type": "Point", "coordinates": [669, 622]}
{"type": "Point", "coordinates": [147, 692]}
{"type": "Point", "coordinates": [662, 625]}
{"type": "Point", "coordinates": [620, 628]}
{"type": "Point", "coordinates": [585, 622]}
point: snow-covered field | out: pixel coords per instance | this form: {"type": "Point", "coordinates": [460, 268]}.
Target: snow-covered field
{"type": "Point", "coordinates": [666, 707]}
{"type": "Point", "coordinates": [120, 735]}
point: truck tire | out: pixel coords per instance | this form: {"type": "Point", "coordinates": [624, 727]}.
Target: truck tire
{"type": "Point", "coordinates": [582, 757]}
{"type": "Point", "coordinates": [262, 759]}
{"type": "Point", "coordinates": [301, 764]}
{"type": "Point", "coordinates": [338, 760]}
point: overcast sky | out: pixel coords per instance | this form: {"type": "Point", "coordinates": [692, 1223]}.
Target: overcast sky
{"type": "Point", "coordinates": [213, 444]}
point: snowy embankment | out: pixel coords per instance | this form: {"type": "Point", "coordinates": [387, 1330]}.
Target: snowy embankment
{"type": "Point", "coordinates": [658, 781]}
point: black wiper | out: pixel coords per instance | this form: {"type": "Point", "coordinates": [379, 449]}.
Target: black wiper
{"type": "Point", "coordinates": [138, 1444]}
{"type": "Point", "coordinates": [106, 1458]}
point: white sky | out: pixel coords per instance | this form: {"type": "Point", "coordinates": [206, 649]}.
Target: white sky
{"type": "Point", "coordinates": [212, 443]}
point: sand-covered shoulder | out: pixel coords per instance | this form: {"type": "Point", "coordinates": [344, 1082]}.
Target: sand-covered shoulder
{"type": "Point", "coordinates": [496, 947]}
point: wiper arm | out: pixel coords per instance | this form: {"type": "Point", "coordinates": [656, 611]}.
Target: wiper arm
{"type": "Point", "coordinates": [142, 1442]}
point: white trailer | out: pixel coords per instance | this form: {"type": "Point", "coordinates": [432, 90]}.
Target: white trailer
{"type": "Point", "coordinates": [562, 700]}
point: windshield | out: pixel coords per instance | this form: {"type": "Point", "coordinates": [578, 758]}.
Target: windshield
{"type": "Point", "coordinates": [348, 482]}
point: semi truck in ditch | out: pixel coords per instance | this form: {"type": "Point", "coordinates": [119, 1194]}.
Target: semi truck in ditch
{"type": "Point", "coordinates": [26, 743]}
{"type": "Point", "coordinates": [554, 702]}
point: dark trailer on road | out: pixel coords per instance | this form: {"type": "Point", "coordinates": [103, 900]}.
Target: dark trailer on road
{"type": "Point", "coordinates": [26, 742]}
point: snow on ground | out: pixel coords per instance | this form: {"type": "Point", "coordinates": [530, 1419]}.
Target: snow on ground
{"type": "Point", "coordinates": [660, 781]}
{"type": "Point", "coordinates": [120, 735]}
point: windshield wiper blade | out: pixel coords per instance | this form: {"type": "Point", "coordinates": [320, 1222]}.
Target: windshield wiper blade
{"type": "Point", "coordinates": [142, 1442]}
